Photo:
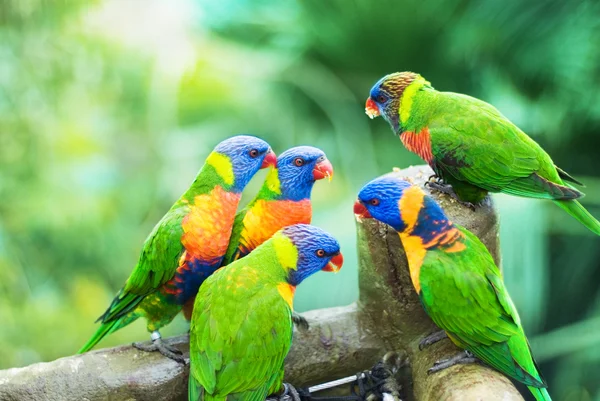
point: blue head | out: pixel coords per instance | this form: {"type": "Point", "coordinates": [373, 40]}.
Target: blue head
{"type": "Point", "coordinates": [244, 156]}
{"type": "Point", "coordinates": [317, 250]}
{"type": "Point", "coordinates": [385, 96]}
{"type": "Point", "coordinates": [380, 199]}
{"type": "Point", "coordinates": [298, 168]}
{"type": "Point", "coordinates": [401, 205]}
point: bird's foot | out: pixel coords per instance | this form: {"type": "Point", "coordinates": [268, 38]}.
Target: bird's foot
{"type": "Point", "coordinates": [461, 358]}
{"type": "Point", "coordinates": [435, 178]}
{"type": "Point", "coordinates": [448, 190]}
{"type": "Point", "coordinates": [157, 344]}
{"type": "Point", "coordinates": [169, 351]}
{"type": "Point", "coordinates": [300, 321]}
{"type": "Point", "coordinates": [289, 393]}
{"type": "Point", "coordinates": [440, 186]}
{"type": "Point", "coordinates": [432, 339]}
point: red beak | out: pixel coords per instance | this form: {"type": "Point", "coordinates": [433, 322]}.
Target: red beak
{"type": "Point", "coordinates": [323, 169]}
{"type": "Point", "coordinates": [335, 264]}
{"type": "Point", "coordinates": [269, 160]}
{"type": "Point", "coordinates": [371, 108]}
{"type": "Point", "coordinates": [361, 211]}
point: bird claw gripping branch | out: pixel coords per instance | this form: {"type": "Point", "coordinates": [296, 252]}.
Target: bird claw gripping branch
{"type": "Point", "coordinates": [460, 358]}
{"type": "Point", "coordinates": [165, 349]}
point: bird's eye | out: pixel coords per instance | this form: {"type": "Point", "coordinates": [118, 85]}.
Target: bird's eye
{"type": "Point", "coordinates": [381, 98]}
{"type": "Point", "coordinates": [374, 202]}
{"type": "Point", "coordinates": [298, 161]}
{"type": "Point", "coordinates": [320, 253]}
{"type": "Point", "coordinates": [253, 153]}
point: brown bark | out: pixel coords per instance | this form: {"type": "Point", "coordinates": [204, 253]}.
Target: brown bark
{"type": "Point", "coordinates": [341, 341]}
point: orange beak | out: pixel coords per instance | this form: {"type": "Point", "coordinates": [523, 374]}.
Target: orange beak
{"type": "Point", "coordinates": [335, 264]}
{"type": "Point", "coordinates": [269, 160]}
{"type": "Point", "coordinates": [323, 169]}
{"type": "Point", "coordinates": [371, 109]}
{"type": "Point", "coordinates": [361, 211]}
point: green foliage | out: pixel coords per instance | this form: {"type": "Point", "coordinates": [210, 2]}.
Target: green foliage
{"type": "Point", "coordinates": [107, 111]}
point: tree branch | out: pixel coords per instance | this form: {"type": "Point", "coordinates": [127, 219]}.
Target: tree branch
{"type": "Point", "coordinates": [334, 346]}
{"type": "Point", "coordinates": [341, 341]}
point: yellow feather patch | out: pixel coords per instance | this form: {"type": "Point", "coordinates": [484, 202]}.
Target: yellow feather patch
{"type": "Point", "coordinates": [415, 254]}
{"type": "Point", "coordinates": [286, 252]}
{"type": "Point", "coordinates": [456, 247]}
{"type": "Point", "coordinates": [182, 258]}
{"type": "Point", "coordinates": [223, 165]}
{"type": "Point", "coordinates": [287, 293]}
{"type": "Point", "coordinates": [272, 181]}
{"type": "Point", "coordinates": [408, 96]}
{"type": "Point", "coordinates": [410, 205]}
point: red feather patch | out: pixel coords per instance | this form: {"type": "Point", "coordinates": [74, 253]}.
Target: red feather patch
{"type": "Point", "coordinates": [419, 144]}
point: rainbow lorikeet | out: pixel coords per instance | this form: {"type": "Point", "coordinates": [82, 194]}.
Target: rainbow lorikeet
{"type": "Point", "coordinates": [241, 327]}
{"type": "Point", "coordinates": [470, 145]}
{"type": "Point", "coordinates": [188, 243]}
{"type": "Point", "coordinates": [283, 200]}
{"type": "Point", "coordinates": [459, 285]}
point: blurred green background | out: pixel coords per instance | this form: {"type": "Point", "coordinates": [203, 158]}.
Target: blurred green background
{"type": "Point", "coordinates": [108, 109]}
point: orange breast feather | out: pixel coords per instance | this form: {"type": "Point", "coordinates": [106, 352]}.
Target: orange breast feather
{"type": "Point", "coordinates": [265, 218]}
{"type": "Point", "coordinates": [419, 144]}
{"type": "Point", "coordinates": [206, 229]}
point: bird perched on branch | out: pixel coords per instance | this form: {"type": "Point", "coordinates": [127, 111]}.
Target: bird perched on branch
{"type": "Point", "coordinates": [471, 146]}
{"type": "Point", "coordinates": [241, 326]}
{"type": "Point", "coordinates": [283, 200]}
{"type": "Point", "coordinates": [187, 245]}
{"type": "Point", "coordinates": [459, 285]}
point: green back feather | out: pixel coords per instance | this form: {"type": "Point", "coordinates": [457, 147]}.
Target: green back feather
{"type": "Point", "coordinates": [236, 235]}
{"type": "Point", "coordinates": [474, 147]}
{"type": "Point", "coordinates": [464, 294]}
{"type": "Point", "coordinates": [241, 328]}
{"type": "Point", "coordinates": [473, 142]}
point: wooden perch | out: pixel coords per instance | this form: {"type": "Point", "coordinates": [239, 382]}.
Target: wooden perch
{"type": "Point", "coordinates": [332, 347]}
{"type": "Point", "coordinates": [341, 341]}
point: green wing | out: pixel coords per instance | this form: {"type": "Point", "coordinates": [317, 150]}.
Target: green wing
{"type": "Point", "coordinates": [232, 253]}
{"type": "Point", "coordinates": [464, 294]}
{"type": "Point", "coordinates": [240, 334]}
{"type": "Point", "coordinates": [473, 142]}
{"type": "Point", "coordinates": [157, 264]}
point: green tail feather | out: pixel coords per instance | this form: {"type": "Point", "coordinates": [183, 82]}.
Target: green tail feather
{"type": "Point", "coordinates": [107, 328]}
{"type": "Point", "coordinates": [576, 209]}
{"type": "Point", "coordinates": [102, 331]}
{"type": "Point", "coordinates": [567, 177]}
{"type": "Point", "coordinates": [195, 390]}
{"type": "Point", "coordinates": [540, 394]}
